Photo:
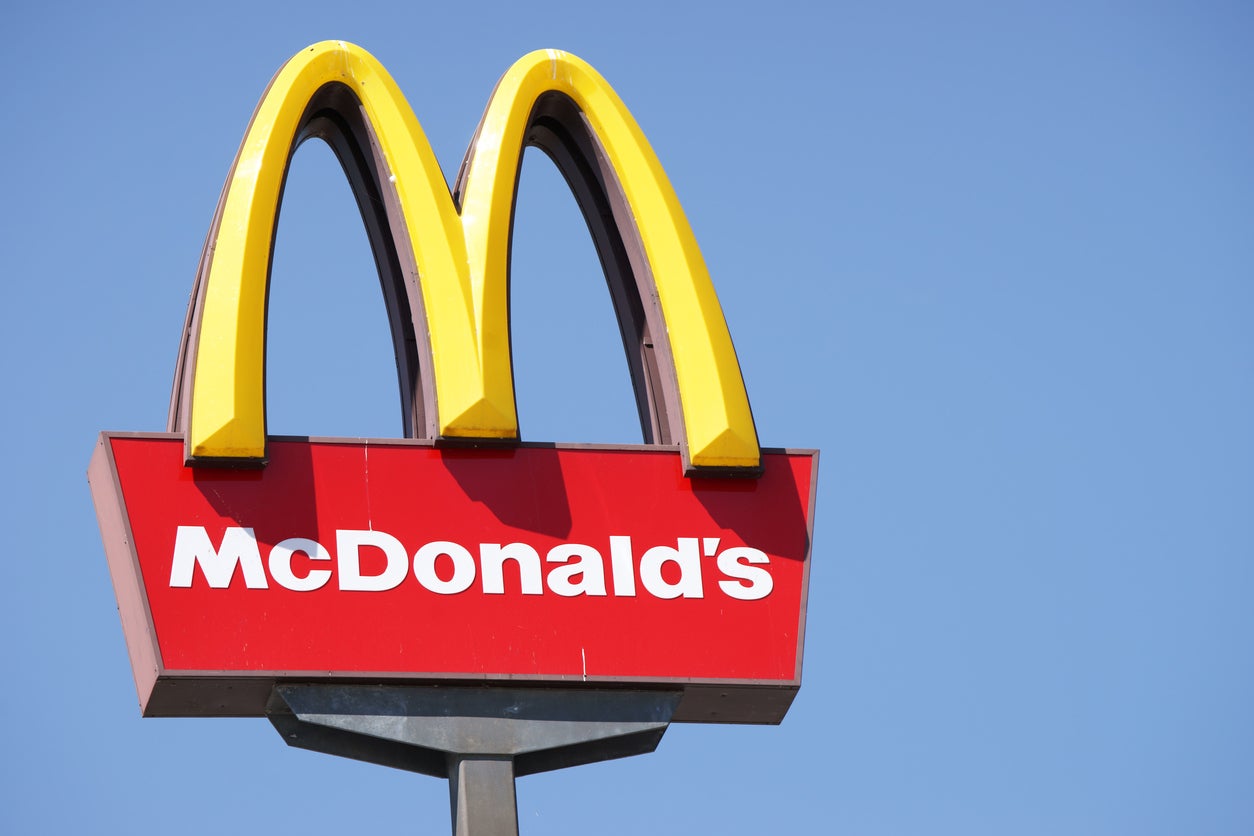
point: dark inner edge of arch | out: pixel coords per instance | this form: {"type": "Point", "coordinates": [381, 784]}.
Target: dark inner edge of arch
{"type": "Point", "coordinates": [558, 128]}
{"type": "Point", "coordinates": [335, 116]}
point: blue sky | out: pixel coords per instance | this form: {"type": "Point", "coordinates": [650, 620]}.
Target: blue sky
{"type": "Point", "coordinates": [995, 260]}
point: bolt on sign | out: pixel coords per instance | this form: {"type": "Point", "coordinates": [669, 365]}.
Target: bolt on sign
{"type": "Point", "coordinates": [459, 554]}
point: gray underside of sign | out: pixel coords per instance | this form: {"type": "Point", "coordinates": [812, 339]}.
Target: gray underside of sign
{"type": "Point", "coordinates": [480, 739]}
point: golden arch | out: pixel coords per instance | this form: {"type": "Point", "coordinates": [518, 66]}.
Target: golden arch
{"type": "Point", "coordinates": [444, 259]}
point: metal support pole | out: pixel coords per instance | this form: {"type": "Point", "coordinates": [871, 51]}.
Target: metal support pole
{"type": "Point", "coordinates": [482, 797]}
{"type": "Point", "coordinates": [477, 738]}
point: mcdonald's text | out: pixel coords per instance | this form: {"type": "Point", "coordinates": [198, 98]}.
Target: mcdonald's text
{"type": "Point", "coordinates": [447, 568]}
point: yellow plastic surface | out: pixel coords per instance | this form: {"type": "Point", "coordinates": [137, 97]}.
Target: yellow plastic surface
{"type": "Point", "coordinates": [461, 258]}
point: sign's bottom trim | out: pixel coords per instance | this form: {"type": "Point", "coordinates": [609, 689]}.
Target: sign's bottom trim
{"type": "Point", "coordinates": [210, 694]}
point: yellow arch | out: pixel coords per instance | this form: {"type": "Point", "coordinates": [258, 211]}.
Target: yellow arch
{"type": "Point", "coordinates": [461, 258]}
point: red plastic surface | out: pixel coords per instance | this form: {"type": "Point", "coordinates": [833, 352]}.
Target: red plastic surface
{"type": "Point", "coordinates": [539, 496]}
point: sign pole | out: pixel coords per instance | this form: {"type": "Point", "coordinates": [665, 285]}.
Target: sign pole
{"type": "Point", "coordinates": [482, 796]}
{"type": "Point", "coordinates": [479, 738]}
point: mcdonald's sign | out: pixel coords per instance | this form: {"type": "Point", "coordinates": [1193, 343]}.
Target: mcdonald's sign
{"type": "Point", "coordinates": [459, 553]}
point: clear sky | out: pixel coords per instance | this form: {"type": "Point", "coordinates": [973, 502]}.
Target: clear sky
{"type": "Point", "coordinates": [995, 260]}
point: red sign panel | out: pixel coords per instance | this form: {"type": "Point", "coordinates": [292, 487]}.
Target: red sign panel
{"type": "Point", "coordinates": [399, 561]}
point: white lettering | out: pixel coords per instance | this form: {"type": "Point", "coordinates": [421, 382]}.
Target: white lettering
{"type": "Point", "coordinates": [281, 564]}
{"type": "Point", "coordinates": [687, 557]}
{"type": "Point", "coordinates": [760, 581]}
{"type": "Point", "coordinates": [463, 567]}
{"type": "Point", "coordinates": [348, 543]}
{"type": "Point", "coordinates": [492, 557]}
{"type": "Point", "coordinates": [448, 568]}
{"type": "Point", "coordinates": [589, 568]}
{"type": "Point", "coordinates": [621, 565]}
{"type": "Point", "coordinates": [239, 548]}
